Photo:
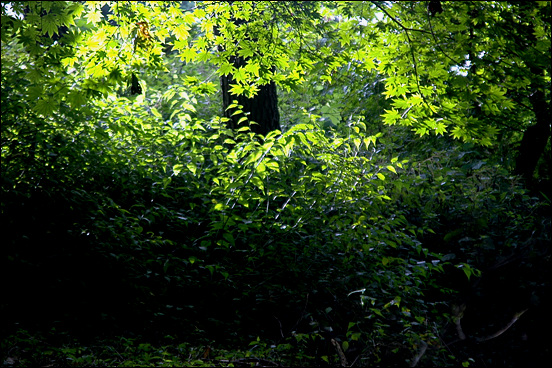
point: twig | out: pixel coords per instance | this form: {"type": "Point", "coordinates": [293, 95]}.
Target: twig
{"type": "Point", "coordinates": [302, 313]}
{"type": "Point", "coordinates": [281, 328]}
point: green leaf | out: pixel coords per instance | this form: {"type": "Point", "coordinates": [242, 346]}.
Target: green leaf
{"type": "Point", "coordinates": [258, 182]}
{"type": "Point", "coordinates": [94, 17]}
{"type": "Point", "coordinates": [177, 169]}
{"type": "Point", "coordinates": [220, 207]}
{"type": "Point", "coordinates": [187, 54]}
{"type": "Point", "coordinates": [181, 32]}
{"type": "Point", "coordinates": [50, 24]}
{"type": "Point", "coordinates": [345, 345]}
{"type": "Point", "coordinates": [229, 238]}
{"type": "Point", "coordinates": [260, 169]}
{"type": "Point", "coordinates": [236, 89]}
{"type": "Point", "coordinates": [391, 116]}
{"type": "Point", "coordinates": [44, 107]}
{"type": "Point", "coordinates": [273, 165]}
{"type": "Point", "coordinates": [377, 312]}
{"type": "Point", "coordinates": [225, 69]}
{"type": "Point", "coordinates": [192, 167]}
{"type": "Point", "coordinates": [76, 99]}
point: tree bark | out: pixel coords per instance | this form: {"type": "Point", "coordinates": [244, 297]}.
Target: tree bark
{"type": "Point", "coordinates": [533, 143]}
{"type": "Point", "coordinates": [535, 137]}
{"type": "Point", "coordinates": [261, 109]}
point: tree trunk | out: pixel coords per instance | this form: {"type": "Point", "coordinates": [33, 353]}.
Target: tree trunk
{"type": "Point", "coordinates": [535, 137]}
{"type": "Point", "coordinates": [261, 109]}
{"type": "Point", "coordinates": [533, 143]}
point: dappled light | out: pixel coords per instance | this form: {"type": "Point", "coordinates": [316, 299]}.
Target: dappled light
{"type": "Point", "coordinates": [247, 184]}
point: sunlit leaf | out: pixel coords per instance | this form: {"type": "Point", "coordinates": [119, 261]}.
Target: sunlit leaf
{"type": "Point", "coordinates": [94, 17]}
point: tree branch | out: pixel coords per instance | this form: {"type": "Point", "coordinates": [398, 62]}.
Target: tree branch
{"type": "Point", "coordinates": [420, 354]}
{"type": "Point", "coordinates": [342, 356]}
{"type": "Point", "coordinates": [409, 42]}
{"type": "Point", "coordinates": [501, 331]}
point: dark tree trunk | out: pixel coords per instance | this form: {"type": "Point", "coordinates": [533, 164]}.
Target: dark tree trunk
{"type": "Point", "coordinates": [262, 108]}
{"type": "Point", "coordinates": [533, 143]}
{"type": "Point", "coordinates": [535, 137]}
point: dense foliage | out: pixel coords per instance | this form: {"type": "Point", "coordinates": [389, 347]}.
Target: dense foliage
{"type": "Point", "coordinates": [397, 219]}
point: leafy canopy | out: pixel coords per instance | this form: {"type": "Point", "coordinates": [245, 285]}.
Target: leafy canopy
{"type": "Point", "coordinates": [461, 71]}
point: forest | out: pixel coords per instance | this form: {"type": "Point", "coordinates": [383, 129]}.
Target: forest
{"type": "Point", "coordinates": [273, 184]}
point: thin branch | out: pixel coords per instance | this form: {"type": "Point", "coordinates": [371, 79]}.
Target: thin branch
{"type": "Point", "coordinates": [435, 40]}
{"type": "Point", "coordinates": [302, 313]}
{"type": "Point", "coordinates": [409, 42]}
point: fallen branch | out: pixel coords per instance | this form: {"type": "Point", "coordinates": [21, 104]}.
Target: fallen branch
{"type": "Point", "coordinates": [458, 311]}
{"type": "Point", "coordinates": [342, 356]}
{"type": "Point", "coordinates": [501, 331]}
{"type": "Point", "coordinates": [420, 354]}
